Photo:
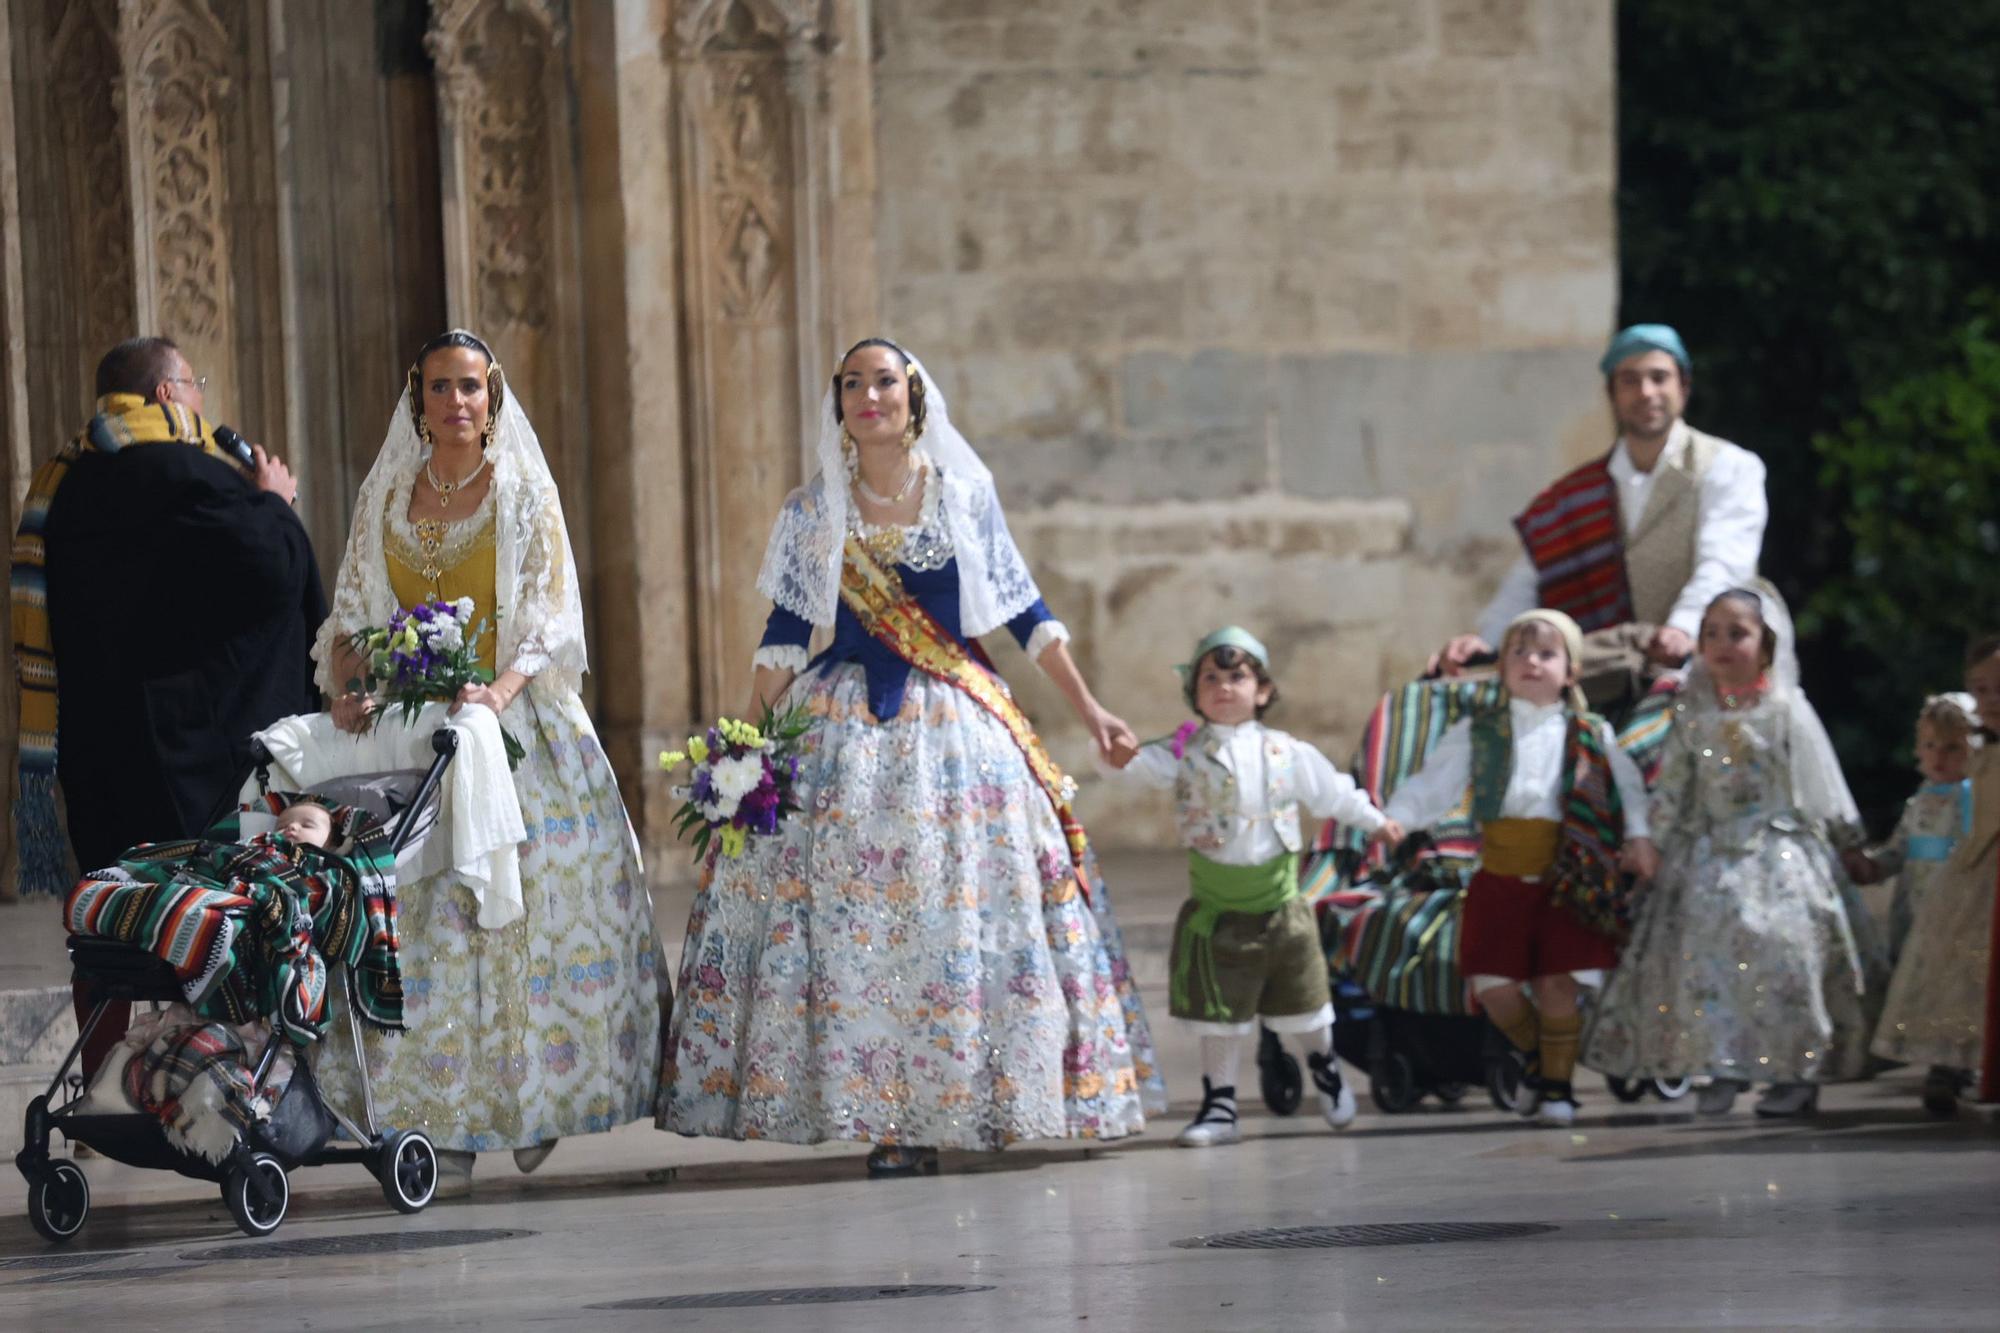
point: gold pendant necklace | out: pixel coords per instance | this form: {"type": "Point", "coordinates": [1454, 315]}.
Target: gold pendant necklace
{"type": "Point", "coordinates": [446, 489]}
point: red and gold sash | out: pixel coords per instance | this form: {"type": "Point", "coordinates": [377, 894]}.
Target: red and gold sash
{"type": "Point", "coordinates": [878, 600]}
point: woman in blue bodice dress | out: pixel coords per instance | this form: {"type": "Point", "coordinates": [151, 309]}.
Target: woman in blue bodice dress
{"type": "Point", "coordinates": [924, 956]}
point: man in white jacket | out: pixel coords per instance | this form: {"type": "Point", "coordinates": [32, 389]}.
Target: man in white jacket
{"type": "Point", "coordinates": [1634, 544]}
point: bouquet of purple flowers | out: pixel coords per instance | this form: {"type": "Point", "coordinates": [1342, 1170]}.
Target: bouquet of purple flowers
{"type": "Point", "coordinates": [745, 780]}
{"type": "Point", "coordinates": [426, 653]}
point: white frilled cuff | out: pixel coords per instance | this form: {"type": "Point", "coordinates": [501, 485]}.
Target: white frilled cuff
{"type": "Point", "coordinates": [782, 657]}
{"type": "Point", "coordinates": [1046, 633]}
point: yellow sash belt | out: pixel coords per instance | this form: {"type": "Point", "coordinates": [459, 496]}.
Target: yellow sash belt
{"type": "Point", "coordinates": [1519, 848]}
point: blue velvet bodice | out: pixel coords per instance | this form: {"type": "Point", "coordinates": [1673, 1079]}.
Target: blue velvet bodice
{"type": "Point", "coordinates": [936, 590]}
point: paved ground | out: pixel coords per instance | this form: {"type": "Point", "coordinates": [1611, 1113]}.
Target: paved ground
{"type": "Point", "coordinates": [1872, 1216]}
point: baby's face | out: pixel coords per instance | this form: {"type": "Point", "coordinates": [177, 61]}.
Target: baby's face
{"type": "Point", "coordinates": [1942, 756]}
{"type": "Point", "coordinates": [307, 824]}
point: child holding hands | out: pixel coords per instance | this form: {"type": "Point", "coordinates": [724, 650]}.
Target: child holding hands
{"type": "Point", "coordinates": [1559, 806]}
{"type": "Point", "coordinates": [1744, 965]}
{"type": "Point", "coordinates": [1936, 1010]}
{"type": "Point", "coordinates": [1246, 946]}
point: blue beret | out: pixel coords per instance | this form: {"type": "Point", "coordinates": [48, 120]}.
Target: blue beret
{"type": "Point", "coordinates": [1645, 338]}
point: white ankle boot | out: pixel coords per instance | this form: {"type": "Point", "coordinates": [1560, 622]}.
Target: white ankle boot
{"type": "Point", "coordinates": [1336, 1099]}
{"type": "Point", "coordinates": [1214, 1124]}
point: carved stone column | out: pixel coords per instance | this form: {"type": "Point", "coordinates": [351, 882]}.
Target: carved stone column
{"type": "Point", "coordinates": [508, 145]}
{"type": "Point", "coordinates": [76, 217]}
{"type": "Point", "coordinates": [772, 123]}
{"type": "Point", "coordinates": [204, 217]}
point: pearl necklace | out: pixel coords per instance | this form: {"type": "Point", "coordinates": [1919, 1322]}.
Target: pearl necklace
{"type": "Point", "coordinates": [869, 493]}
{"type": "Point", "coordinates": [446, 489]}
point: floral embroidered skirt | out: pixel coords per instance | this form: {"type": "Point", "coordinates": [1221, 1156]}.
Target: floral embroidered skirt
{"type": "Point", "coordinates": [1743, 964]}
{"type": "Point", "coordinates": [1936, 1011]}
{"type": "Point", "coordinates": [547, 1027]}
{"type": "Point", "coordinates": [908, 960]}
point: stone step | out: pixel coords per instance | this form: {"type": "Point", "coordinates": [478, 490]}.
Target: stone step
{"type": "Point", "coordinates": [36, 1025]}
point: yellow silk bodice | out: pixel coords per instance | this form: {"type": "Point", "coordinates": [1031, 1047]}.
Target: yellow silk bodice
{"type": "Point", "coordinates": [445, 561]}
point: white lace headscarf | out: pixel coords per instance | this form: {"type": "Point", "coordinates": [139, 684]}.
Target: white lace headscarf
{"type": "Point", "coordinates": [538, 611]}
{"type": "Point", "coordinates": [1819, 787]}
{"type": "Point", "coordinates": [801, 569]}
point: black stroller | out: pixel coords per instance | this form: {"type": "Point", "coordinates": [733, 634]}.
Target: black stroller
{"type": "Point", "coordinates": [300, 1127]}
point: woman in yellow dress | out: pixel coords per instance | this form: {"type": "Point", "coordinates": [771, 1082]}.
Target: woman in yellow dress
{"type": "Point", "coordinates": [548, 1026]}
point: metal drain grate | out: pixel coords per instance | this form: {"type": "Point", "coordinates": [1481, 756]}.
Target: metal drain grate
{"type": "Point", "coordinates": [105, 1275]}
{"type": "Point", "coordinates": [72, 1259]}
{"type": "Point", "coordinates": [367, 1242]}
{"type": "Point", "coordinates": [1375, 1233]}
{"type": "Point", "coordinates": [730, 1300]}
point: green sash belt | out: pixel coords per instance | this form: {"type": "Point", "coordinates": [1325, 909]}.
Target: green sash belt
{"type": "Point", "coordinates": [1217, 888]}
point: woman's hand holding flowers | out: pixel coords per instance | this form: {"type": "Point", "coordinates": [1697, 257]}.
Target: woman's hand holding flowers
{"type": "Point", "coordinates": [354, 712]}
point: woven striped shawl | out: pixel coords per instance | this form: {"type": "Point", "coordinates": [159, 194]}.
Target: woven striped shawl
{"type": "Point", "coordinates": [1576, 542]}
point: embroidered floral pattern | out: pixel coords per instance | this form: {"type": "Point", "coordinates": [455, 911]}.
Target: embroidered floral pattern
{"type": "Point", "coordinates": [909, 960]}
{"type": "Point", "coordinates": [549, 1026]}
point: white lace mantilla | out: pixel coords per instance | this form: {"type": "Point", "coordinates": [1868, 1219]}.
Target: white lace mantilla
{"type": "Point", "coordinates": [801, 569]}
{"type": "Point", "coordinates": [538, 615]}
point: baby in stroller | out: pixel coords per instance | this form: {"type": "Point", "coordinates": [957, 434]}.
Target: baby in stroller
{"type": "Point", "coordinates": [237, 937]}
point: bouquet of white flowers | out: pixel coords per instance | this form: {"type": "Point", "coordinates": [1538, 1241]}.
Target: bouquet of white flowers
{"type": "Point", "coordinates": [744, 780]}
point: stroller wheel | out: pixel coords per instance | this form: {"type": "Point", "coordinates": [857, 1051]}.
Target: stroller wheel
{"type": "Point", "coordinates": [1503, 1082]}
{"type": "Point", "coordinates": [58, 1201]}
{"type": "Point", "coordinates": [1629, 1090]}
{"type": "Point", "coordinates": [1392, 1084]}
{"type": "Point", "coordinates": [408, 1170]}
{"type": "Point", "coordinates": [257, 1195]}
{"type": "Point", "coordinates": [1278, 1076]}
{"type": "Point", "coordinates": [1670, 1089]}
{"type": "Point", "coordinates": [1451, 1094]}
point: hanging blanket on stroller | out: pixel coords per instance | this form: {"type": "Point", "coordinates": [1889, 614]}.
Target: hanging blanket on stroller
{"type": "Point", "coordinates": [198, 1081]}
{"type": "Point", "coordinates": [249, 928]}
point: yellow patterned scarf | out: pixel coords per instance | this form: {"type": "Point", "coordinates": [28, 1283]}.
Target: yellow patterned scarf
{"type": "Point", "coordinates": [877, 597]}
{"type": "Point", "coordinates": [122, 420]}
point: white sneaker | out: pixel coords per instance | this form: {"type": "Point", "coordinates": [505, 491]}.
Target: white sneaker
{"type": "Point", "coordinates": [1336, 1103]}
{"type": "Point", "coordinates": [1214, 1125]}
{"type": "Point", "coordinates": [1718, 1097]}
{"type": "Point", "coordinates": [1788, 1099]}
{"type": "Point", "coordinates": [1560, 1112]}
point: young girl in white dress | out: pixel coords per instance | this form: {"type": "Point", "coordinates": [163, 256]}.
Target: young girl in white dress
{"type": "Point", "coordinates": [1744, 964]}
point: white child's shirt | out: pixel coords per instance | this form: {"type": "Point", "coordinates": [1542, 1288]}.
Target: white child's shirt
{"type": "Point", "coordinates": [1322, 790]}
{"type": "Point", "coordinates": [1534, 787]}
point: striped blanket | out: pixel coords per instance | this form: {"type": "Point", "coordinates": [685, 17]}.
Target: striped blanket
{"type": "Point", "coordinates": [251, 928]}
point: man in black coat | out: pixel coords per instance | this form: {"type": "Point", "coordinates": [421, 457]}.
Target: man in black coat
{"type": "Point", "coordinates": [182, 600]}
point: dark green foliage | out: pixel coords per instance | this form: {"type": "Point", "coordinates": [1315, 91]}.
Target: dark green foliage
{"type": "Point", "coordinates": [1808, 191]}
{"type": "Point", "coordinates": [1920, 467]}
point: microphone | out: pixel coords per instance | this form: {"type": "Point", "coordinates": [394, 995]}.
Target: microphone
{"type": "Point", "coordinates": [236, 447]}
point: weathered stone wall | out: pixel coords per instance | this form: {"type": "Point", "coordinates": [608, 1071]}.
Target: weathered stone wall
{"type": "Point", "coordinates": [1271, 312]}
